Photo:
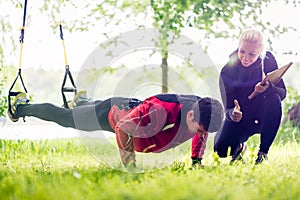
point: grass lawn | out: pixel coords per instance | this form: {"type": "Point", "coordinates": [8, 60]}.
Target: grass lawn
{"type": "Point", "coordinates": [90, 169]}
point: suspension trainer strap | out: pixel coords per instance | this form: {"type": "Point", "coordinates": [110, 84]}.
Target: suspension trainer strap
{"type": "Point", "coordinates": [63, 44]}
{"type": "Point", "coordinates": [67, 73]}
{"type": "Point", "coordinates": [19, 75]}
{"type": "Point", "coordinates": [21, 39]}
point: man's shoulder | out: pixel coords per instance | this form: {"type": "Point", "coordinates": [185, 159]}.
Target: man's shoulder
{"type": "Point", "coordinates": [176, 98]}
{"type": "Point", "coordinates": [168, 97]}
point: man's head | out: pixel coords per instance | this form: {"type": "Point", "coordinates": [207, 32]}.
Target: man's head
{"type": "Point", "coordinates": [206, 116]}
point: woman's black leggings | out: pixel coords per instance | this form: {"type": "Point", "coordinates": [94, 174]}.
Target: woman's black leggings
{"type": "Point", "coordinates": [90, 117]}
{"type": "Point", "coordinates": [232, 134]}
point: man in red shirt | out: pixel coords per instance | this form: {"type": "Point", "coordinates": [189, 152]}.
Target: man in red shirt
{"type": "Point", "coordinates": [156, 124]}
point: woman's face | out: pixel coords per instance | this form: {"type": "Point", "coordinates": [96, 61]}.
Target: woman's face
{"type": "Point", "coordinates": [248, 52]}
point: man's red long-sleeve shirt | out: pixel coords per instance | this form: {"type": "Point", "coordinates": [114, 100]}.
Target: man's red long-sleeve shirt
{"type": "Point", "coordinates": [155, 125]}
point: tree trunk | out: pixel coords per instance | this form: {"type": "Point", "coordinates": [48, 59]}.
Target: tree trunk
{"type": "Point", "coordinates": [293, 115]}
{"type": "Point", "coordinates": [164, 68]}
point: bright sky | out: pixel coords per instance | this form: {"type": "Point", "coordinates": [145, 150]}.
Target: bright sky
{"type": "Point", "coordinates": [42, 48]}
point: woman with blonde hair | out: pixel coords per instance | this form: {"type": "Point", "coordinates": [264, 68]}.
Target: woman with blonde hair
{"type": "Point", "coordinates": [247, 116]}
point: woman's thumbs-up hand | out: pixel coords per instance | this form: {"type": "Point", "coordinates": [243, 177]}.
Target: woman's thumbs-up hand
{"type": "Point", "coordinates": [236, 114]}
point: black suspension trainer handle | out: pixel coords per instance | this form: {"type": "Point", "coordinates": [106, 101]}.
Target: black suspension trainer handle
{"type": "Point", "coordinates": [67, 89]}
{"type": "Point", "coordinates": [12, 93]}
{"type": "Point", "coordinates": [67, 73]}
{"type": "Point", "coordinates": [19, 75]}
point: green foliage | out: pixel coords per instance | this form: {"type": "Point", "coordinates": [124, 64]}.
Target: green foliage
{"type": "Point", "coordinates": [217, 18]}
{"type": "Point", "coordinates": [3, 99]}
{"type": "Point", "coordinates": [291, 99]}
{"type": "Point", "coordinates": [287, 133]}
{"type": "Point", "coordinates": [168, 18]}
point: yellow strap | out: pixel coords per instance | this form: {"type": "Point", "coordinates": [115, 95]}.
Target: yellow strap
{"type": "Point", "coordinates": [21, 49]}
{"type": "Point", "coordinates": [58, 23]}
{"type": "Point", "coordinates": [21, 53]}
{"type": "Point", "coordinates": [65, 54]}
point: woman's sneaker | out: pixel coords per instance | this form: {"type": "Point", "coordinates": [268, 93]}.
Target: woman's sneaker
{"type": "Point", "coordinates": [261, 156]}
{"type": "Point", "coordinates": [21, 99]}
{"type": "Point", "coordinates": [238, 154]}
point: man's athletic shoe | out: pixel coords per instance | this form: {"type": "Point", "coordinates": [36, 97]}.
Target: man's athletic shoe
{"type": "Point", "coordinates": [261, 156]}
{"type": "Point", "coordinates": [238, 154]}
{"type": "Point", "coordinates": [80, 99]}
{"type": "Point", "coordinates": [21, 99]}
